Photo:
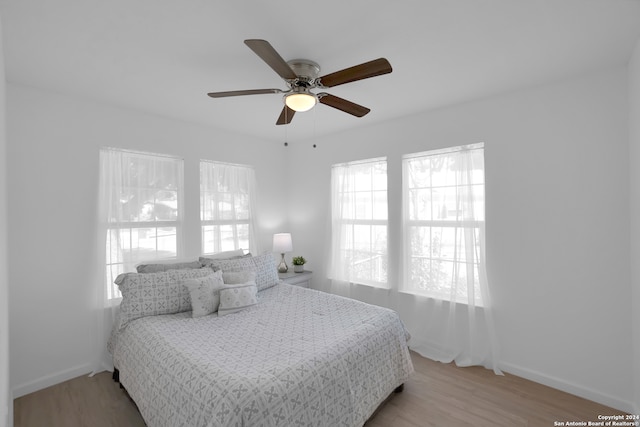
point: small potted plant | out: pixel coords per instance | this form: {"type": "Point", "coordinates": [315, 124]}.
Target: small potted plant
{"type": "Point", "coordinates": [298, 264]}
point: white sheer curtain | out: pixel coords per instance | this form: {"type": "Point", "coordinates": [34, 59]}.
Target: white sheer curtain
{"type": "Point", "coordinates": [440, 285]}
{"type": "Point", "coordinates": [444, 256]}
{"type": "Point", "coordinates": [359, 225]}
{"type": "Point", "coordinates": [227, 207]}
{"type": "Point", "coordinates": [139, 219]}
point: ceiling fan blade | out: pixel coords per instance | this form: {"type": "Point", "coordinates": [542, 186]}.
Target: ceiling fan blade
{"type": "Point", "coordinates": [264, 50]}
{"type": "Point", "coordinates": [373, 68]}
{"type": "Point", "coordinates": [342, 104]}
{"type": "Point", "coordinates": [243, 92]}
{"type": "Point", "coordinates": [285, 116]}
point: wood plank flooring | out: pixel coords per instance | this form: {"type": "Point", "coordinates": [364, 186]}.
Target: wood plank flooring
{"type": "Point", "coordinates": [441, 395]}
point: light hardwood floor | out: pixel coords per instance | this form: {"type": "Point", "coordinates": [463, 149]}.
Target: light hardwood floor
{"type": "Point", "coordinates": [437, 394]}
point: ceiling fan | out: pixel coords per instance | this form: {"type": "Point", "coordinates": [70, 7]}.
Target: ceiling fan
{"type": "Point", "coordinates": [301, 75]}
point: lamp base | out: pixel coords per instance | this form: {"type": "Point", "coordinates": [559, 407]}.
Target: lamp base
{"type": "Point", "coordinates": [282, 267]}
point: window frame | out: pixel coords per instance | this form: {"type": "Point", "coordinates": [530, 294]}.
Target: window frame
{"type": "Point", "coordinates": [339, 267]}
{"type": "Point", "coordinates": [249, 222]}
{"type": "Point", "coordinates": [111, 225]}
{"type": "Point", "coordinates": [477, 225]}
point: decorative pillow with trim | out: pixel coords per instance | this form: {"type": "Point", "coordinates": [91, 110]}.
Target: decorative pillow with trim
{"type": "Point", "coordinates": [238, 277]}
{"type": "Point", "coordinates": [237, 298]}
{"type": "Point", "coordinates": [205, 294]}
{"type": "Point", "coordinates": [152, 294]}
{"type": "Point", "coordinates": [264, 266]}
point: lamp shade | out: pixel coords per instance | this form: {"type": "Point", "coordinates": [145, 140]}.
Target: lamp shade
{"type": "Point", "coordinates": [301, 101]}
{"type": "Point", "coordinates": [282, 243]}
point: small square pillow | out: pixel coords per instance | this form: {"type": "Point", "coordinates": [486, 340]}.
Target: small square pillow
{"type": "Point", "coordinates": [238, 277]}
{"type": "Point", "coordinates": [205, 294]}
{"type": "Point", "coordinates": [237, 297]}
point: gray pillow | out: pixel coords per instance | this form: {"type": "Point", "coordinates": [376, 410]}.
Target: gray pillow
{"type": "Point", "coordinates": [263, 265]}
{"type": "Point", "coordinates": [151, 294]}
{"type": "Point", "coordinates": [156, 268]}
{"type": "Point", "coordinates": [207, 261]}
{"type": "Point", "coordinates": [224, 254]}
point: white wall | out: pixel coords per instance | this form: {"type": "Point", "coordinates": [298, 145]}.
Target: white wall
{"type": "Point", "coordinates": [6, 401]}
{"type": "Point", "coordinates": [557, 189]}
{"type": "Point", "coordinates": [634, 147]}
{"type": "Point", "coordinates": [53, 151]}
{"type": "Point", "coordinates": [557, 218]}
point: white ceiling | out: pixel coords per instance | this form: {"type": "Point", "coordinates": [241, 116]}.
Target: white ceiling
{"type": "Point", "coordinates": [163, 56]}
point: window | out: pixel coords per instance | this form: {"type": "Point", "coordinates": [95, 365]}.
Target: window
{"type": "Point", "coordinates": [359, 228]}
{"type": "Point", "coordinates": [226, 207]}
{"type": "Point", "coordinates": [443, 197]}
{"type": "Point", "coordinates": [141, 201]}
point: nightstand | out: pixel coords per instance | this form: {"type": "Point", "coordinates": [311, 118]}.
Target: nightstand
{"type": "Point", "coordinates": [299, 279]}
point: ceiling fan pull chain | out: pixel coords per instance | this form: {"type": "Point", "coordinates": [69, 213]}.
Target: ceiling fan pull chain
{"type": "Point", "coordinates": [286, 144]}
{"type": "Point", "coordinates": [315, 116]}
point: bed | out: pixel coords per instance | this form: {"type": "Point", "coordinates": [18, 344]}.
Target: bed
{"type": "Point", "coordinates": [298, 357]}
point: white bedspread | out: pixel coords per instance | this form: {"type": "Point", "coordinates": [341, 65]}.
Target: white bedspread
{"type": "Point", "coordinates": [297, 358]}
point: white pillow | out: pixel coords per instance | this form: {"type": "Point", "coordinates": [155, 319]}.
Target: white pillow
{"type": "Point", "coordinates": [238, 277]}
{"type": "Point", "coordinates": [205, 294]}
{"type": "Point", "coordinates": [237, 297]}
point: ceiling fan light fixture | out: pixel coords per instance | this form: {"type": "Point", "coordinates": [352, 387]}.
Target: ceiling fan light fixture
{"type": "Point", "coordinates": [302, 75]}
{"type": "Point", "coordinates": [301, 101]}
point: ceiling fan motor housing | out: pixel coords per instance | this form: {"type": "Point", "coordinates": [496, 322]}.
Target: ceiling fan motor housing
{"type": "Point", "coordinates": [307, 72]}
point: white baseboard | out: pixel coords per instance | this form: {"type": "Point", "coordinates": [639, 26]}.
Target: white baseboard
{"type": "Point", "coordinates": [49, 380]}
{"type": "Point", "coordinates": [6, 419]}
{"type": "Point", "coordinates": [10, 414]}
{"type": "Point", "coordinates": [571, 388]}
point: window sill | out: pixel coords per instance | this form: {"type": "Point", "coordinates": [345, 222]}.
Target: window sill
{"type": "Point", "coordinates": [377, 285]}
{"type": "Point", "coordinates": [439, 297]}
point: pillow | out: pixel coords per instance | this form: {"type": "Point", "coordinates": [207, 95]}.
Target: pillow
{"type": "Point", "coordinates": [160, 266]}
{"type": "Point", "coordinates": [237, 277]}
{"type": "Point", "coordinates": [224, 255]}
{"type": "Point", "coordinates": [237, 297]}
{"type": "Point", "coordinates": [264, 266]}
{"type": "Point", "coordinates": [208, 262]}
{"type": "Point", "coordinates": [266, 271]}
{"type": "Point", "coordinates": [151, 294]}
{"type": "Point", "coordinates": [205, 294]}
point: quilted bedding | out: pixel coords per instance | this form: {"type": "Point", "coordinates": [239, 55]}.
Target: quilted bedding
{"type": "Point", "coordinates": [298, 358]}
